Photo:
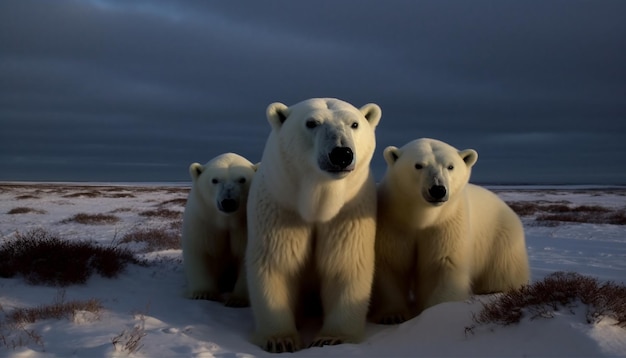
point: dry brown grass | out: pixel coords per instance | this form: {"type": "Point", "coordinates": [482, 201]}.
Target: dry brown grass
{"type": "Point", "coordinates": [129, 341]}
{"type": "Point", "coordinates": [26, 196]}
{"type": "Point", "coordinates": [43, 258]}
{"type": "Point", "coordinates": [25, 210]}
{"type": "Point", "coordinates": [176, 202]}
{"type": "Point", "coordinates": [162, 213]}
{"type": "Point", "coordinates": [13, 331]}
{"type": "Point", "coordinates": [156, 239]}
{"type": "Point", "coordinates": [553, 214]}
{"type": "Point", "coordinates": [121, 195]}
{"type": "Point", "coordinates": [84, 194]}
{"type": "Point", "coordinates": [92, 219]}
{"type": "Point", "coordinates": [558, 291]}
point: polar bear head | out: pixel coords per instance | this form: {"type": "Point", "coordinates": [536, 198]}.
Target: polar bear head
{"type": "Point", "coordinates": [224, 181]}
{"type": "Point", "coordinates": [323, 137]}
{"type": "Point", "coordinates": [429, 170]}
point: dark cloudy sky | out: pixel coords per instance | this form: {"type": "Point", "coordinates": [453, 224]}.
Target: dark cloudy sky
{"type": "Point", "coordinates": [117, 90]}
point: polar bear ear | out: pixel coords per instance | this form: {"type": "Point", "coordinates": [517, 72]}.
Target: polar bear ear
{"type": "Point", "coordinates": [195, 170]}
{"type": "Point", "coordinates": [256, 166]}
{"type": "Point", "coordinates": [469, 156]}
{"type": "Point", "coordinates": [391, 155]}
{"type": "Point", "coordinates": [277, 114]}
{"type": "Point", "coordinates": [372, 113]}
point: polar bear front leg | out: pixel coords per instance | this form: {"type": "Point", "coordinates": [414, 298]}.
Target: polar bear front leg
{"type": "Point", "coordinates": [345, 261]}
{"type": "Point", "coordinates": [390, 296]}
{"type": "Point", "coordinates": [202, 275]}
{"type": "Point", "coordinates": [274, 260]}
{"type": "Point", "coordinates": [239, 296]}
{"type": "Point", "coordinates": [447, 280]}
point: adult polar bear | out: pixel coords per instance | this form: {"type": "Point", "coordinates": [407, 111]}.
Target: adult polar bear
{"type": "Point", "coordinates": [312, 218]}
{"type": "Point", "coordinates": [214, 229]}
{"type": "Point", "coordinates": [439, 236]}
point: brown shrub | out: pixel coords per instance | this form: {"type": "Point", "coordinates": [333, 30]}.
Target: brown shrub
{"type": "Point", "coordinates": [162, 213]}
{"type": "Point", "coordinates": [57, 310]}
{"type": "Point", "coordinates": [178, 202]}
{"type": "Point", "coordinates": [84, 194]}
{"type": "Point", "coordinates": [13, 333]}
{"type": "Point", "coordinates": [121, 210]}
{"type": "Point", "coordinates": [176, 225]}
{"type": "Point", "coordinates": [581, 214]}
{"type": "Point", "coordinates": [552, 214]}
{"type": "Point", "coordinates": [43, 258]}
{"type": "Point", "coordinates": [524, 208]}
{"type": "Point", "coordinates": [121, 195]}
{"type": "Point", "coordinates": [156, 239]}
{"type": "Point", "coordinates": [92, 219]}
{"type": "Point", "coordinates": [558, 290]}
{"type": "Point", "coordinates": [25, 210]}
{"type": "Point", "coordinates": [26, 196]}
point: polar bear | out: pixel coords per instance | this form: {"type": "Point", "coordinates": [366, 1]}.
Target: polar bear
{"type": "Point", "coordinates": [214, 229]}
{"type": "Point", "coordinates": [312, 222]}
{"type": "Point", "coordinates": [440, 238]}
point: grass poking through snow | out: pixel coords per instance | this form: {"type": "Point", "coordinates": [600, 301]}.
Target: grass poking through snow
{"type": "Point", "coordinates": [92, 219]}
{"type": "Point", "coordinates": [552, 214]}
{"type": "Point", "coordinates": [156, 239]}
{"type": "Point", "coordinates": [25, 210]}
{"type": "Point", "coordinates": [558, 291]}
{"type": "Point", "coordinates": [13, 324]}
{"type": "Point", "coordinates": [43, 258]}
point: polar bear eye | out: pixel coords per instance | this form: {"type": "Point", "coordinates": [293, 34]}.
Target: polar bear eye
{"type": "Point", "coordinates": [419, 166]}
{"type": "Point", "coordinates": [311, 123]}
{"type": "Point", "coordinates": [214, 181]}
{"type": "Point", "coordinates": [242, 180]}
{"type": "Point", "coordinates": [450, 167]}
{"type": "Point", "coordinates": [355, 125]}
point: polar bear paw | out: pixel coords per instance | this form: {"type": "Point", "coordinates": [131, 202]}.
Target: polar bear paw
{"type": "Point", "coordinates": [321, 341]}
{"type": "Point", "coordinates": [237, 301]}
{"type": "Point", "coordinates": [205, 295]}
{"type": "Point", "coordinates": [281, 344]}
{"type": "Point", "coordinates": [394, 318]}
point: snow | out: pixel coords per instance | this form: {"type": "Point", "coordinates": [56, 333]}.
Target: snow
{"type": "Point", "coordinates": [151, 297]}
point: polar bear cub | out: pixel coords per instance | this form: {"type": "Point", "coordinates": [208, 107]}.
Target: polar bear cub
{"type": "Point", "coordinates": [214, 229]}
{"type": "Point", "coordinates": [312, 221]}
{"type": "Point", "coordinates": [440, 238]}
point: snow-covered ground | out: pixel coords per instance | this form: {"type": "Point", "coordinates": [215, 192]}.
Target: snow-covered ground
{"type": "Point", "coordinates": [150, 297]}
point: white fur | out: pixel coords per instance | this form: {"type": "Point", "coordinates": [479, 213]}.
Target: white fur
{"type": "Point", "coordinates": [432, 252]}
{"type": "Point", "coordinates": [213, 240]}
{"type": "Point", "coordinates": [310, 229]}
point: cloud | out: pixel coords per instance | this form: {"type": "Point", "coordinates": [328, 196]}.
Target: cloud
{"type": "Point", "coordinates": [179, 80]}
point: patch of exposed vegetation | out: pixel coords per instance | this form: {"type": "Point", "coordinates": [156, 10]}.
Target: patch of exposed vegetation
{"type": "Point", "coordinates": [552, 214]}
{"type": "Point", "coordinates": [13, 330]}
{"type": "Point", "coordinates": [92, 219]}
{"type": "Point", "coordinates": [43, 258]}
{"type": "Point", "coordinates": [25, 210]}
{"type": "Point", "coordinates": [84, 194]}
{"type": "Point", "coordinates": [156, 239]}
{"type": "Point", "coordinates": [121, 195]}
{"type": "Point", "coordinates": [162, 213]}
{"type": "Point", "coordinates": [176, 202]}
{"type": "Point", "coordinates": [558, 291]}
{"type": "Point", "coordinates": [26, 196]}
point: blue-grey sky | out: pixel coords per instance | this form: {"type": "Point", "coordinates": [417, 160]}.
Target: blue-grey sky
{"type": "Point", "coordinates": [117, 90]}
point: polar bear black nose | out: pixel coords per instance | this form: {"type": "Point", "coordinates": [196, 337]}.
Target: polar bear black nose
{"type": "Point", "coordinates": [437, 191]}
{"type": "Point", "coordinates": [228, 205]}
{"type": "Point", "coordinates": [341, 157]}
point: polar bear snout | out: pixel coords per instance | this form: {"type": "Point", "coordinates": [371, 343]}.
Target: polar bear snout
{"type": "Point", "coordinates": [339, 161]}
{"type": "Point", "coordinates": [342, 157]}
{"type": "Point", "coordinates": [437, 194]}
{"type": "Point", "coordinates": [228, 205]}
